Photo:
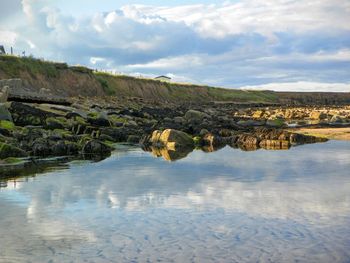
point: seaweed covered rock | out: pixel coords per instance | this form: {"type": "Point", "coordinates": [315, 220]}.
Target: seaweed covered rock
{"type": "Point", "coordinates": [25, 114]}
{"type": "Point", "coordinates": [96, 147]}
{"type": "Point", "coordinates": [195, 117]}
{"type": "Point", "coordinates": [8, 150]}
{"type": "Point", "coordinates": [4, 113]}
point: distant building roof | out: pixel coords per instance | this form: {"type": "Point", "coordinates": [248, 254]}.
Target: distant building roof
{"type": "Point", "coordinates": [163, 77]}
{"type": "Point", "coordinates": [2, 50]}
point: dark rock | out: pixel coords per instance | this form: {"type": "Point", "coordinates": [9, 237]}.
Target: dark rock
{"type": "Point", "coordinates": [24, 114]}
{"type": "Point", "coordinates": [8, 150]}
{"type": "Point", "coordinates": [96, 147]}
{"type": "Point", "coordinates": [63, 148]}
{"type": "Point", "coordinates": [133, 139]}
{"type": "Point", "coordinates": [4, 113]}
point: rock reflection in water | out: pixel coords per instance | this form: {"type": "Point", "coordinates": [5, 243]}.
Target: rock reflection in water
{"type": "Point", "coordinates": [169, 154]}
{"type": "Point", "coordinates": [183, 152]}
{"type": "Point", "coordinates": [227, 206]}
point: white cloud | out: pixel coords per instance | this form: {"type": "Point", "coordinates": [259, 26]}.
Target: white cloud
{"type": "Point", "coordinates": [238, 43]}
{"type": "Point", "coordinates": [264, 17]}
{"type": "Point", "coordinates": [8, 37]}
{"type": "Point", "coordinates": [302, 86]}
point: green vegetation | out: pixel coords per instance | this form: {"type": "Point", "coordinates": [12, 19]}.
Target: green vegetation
{"type": "Point", "coordinates": [12, 160]}
{"type": "Point", "coordinates": [13, 65]}
{"type": "Point", "coordinates": [127, 86]}
{"type": "Point", "coordinates": [81, 69]}
{"type": "Point", "coordinates": [8, 125]}
{"type": "Point", "coordinates": [197, 140]}
{"type": "Point", "coordinates": [105, 86]}
{"type": "Point", "coordinates": [7, 150]}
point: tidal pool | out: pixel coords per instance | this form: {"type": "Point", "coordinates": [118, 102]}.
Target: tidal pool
{"type": "Point", "coordinates": [225, 206]}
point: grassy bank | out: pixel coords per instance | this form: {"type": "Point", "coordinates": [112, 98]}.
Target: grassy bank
{"type": "Point", "coordinates": [59, 77]}
{"type": "Point", "coordinates": [63, 80]}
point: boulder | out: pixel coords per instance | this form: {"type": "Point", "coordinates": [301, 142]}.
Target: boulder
{"type": "Point", "coordinates": [62, 148]}
{"type": "Point", "coordinates": [258, 114]}
{"type": "Point", "coordinates": [317, 115]}
{"type": "Point", "coordinates": [4, 93]}
{"type": "Point", "coordinates": [276, 123]}
{"type": "Point", "coordinates": [42, 147]}
{"type": "Point", "coordinates": [194, 116]}
{"type": "Point", "coordinates": [133, 139]}
{"type": "Point", "coordinates": [5, 115]}
{"type": "Point", "coordinates": [275, 144]}
{"type": "Point", "coordinates": [8, 150]}
{"type": "Point", "coordinates": [249, 123]}
{"type": "Point", "coordinates": [248, 140]}
{"type": "Point", "coordinates": [27, 114]}
{"type": "Point", "coordinates": [169, 138]}
{"type": "Point", "coordinates": [336, 119]}
{"type": "Point", "coordinates": [96, 147]}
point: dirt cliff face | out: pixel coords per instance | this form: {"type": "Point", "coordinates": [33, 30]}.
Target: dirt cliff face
{"type": "Point", "coordinates": [314, 98]}
{"type": "Point", "coordinates": [59, 79]}
{"type": "Point", "coordinates": [66, 84]}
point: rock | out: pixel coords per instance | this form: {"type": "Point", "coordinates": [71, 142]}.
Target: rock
{"type": "Point", "coordinates": [318, 115]}
{"type": "Point", "coordinates": [250, 123]}
{"type": "Point", "coordinates": [63, 148]}
{"type": "Point", "coordinates": [54, 123]}
{"type": "Point", "coordinates": [131, 124]}
{"type": "Point", "coordinates": [42, 147]}
{"type": "Point", "coordinates": [96, 147]}
{"type": "Point", "coordinates": [77, 113]}
{"type": "Point", "coordinates": [275, 144]}
{"type": "Point", "coordinates": [133, 139]}
{"type": "Point", "coordinates": [194, 116]}
{"type": "Point", "coordinates": [170, 139]}
{"type": "Point", "coordinates": [203, 132]}
{"type": "Point", "coordinates": [179, 120]}
{"type": "Point", "coordinates": [118, 134]}
{"type": "Point", "coordinates": [4, 93]}
{"type": "Point", "coordinates": [4, 113]}
{"type": "Point", "coordinates": [7, 150]}
{"type": "Point", "coordinates": [258, 114]}
{"type": "Point", "coordinates": [169, 155]}
{"type": "Point", "coordinates": [336, 119]}
{"type": "Point", "coordinates": [248, 140]}
{"type": "Point", "coordinates": [277, 123]}
{"type": "Point", "coordinates": [25, 114]}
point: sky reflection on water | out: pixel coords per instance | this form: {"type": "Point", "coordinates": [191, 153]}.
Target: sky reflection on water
{"type": "Point", "coordinates": [226, 206]}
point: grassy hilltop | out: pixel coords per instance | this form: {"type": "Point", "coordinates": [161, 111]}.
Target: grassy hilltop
{"type": "Point", "coordinates": [65, 80]}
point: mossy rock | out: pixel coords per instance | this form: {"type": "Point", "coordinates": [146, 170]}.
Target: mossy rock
{"type": "Point", "coordinates": [58, 123]}
{"type": "Point", "coordinates": [93, 115]}
{"type": "Point", "coordinates": [197, 140]}
{"type": "Point", "coordinates": [277, 123]}
{"type": "Point", "coordinates": [7, 125]}
{"type": "Point", "coordinates": [4, 113]}
{"type": "Point", "coordinates": [12, 160]}
{"type": "Point", "coordinates": [7, 150]}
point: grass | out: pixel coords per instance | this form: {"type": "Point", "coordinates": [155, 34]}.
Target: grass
{"type": "Point", "coordinates": [129, 86]}
{"type": "Point", "coordinates": [13, 65]}
{"type": "Point", "coordinates": [105, 86]}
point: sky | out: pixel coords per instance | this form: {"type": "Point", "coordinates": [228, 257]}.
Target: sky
{"type": "Point", "coordinates": [272, 44]}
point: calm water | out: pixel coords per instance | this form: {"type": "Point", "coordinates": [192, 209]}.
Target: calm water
{"type": "Point", "coordinates": [226, 206]}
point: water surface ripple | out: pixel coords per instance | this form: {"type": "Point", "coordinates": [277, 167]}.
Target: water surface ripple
{"type": "Point", "coordinates": [226, 206]}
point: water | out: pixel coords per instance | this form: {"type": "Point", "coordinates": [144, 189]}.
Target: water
{"type": "Point", "coordinates": [226, 206]}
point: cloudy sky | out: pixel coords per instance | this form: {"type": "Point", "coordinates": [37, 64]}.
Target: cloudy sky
{"type": "Point", "coordinates": [274, 44]}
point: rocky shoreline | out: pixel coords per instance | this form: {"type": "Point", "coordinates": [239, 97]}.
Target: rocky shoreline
{"type": "Point", "coordinates": [90, 127]}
